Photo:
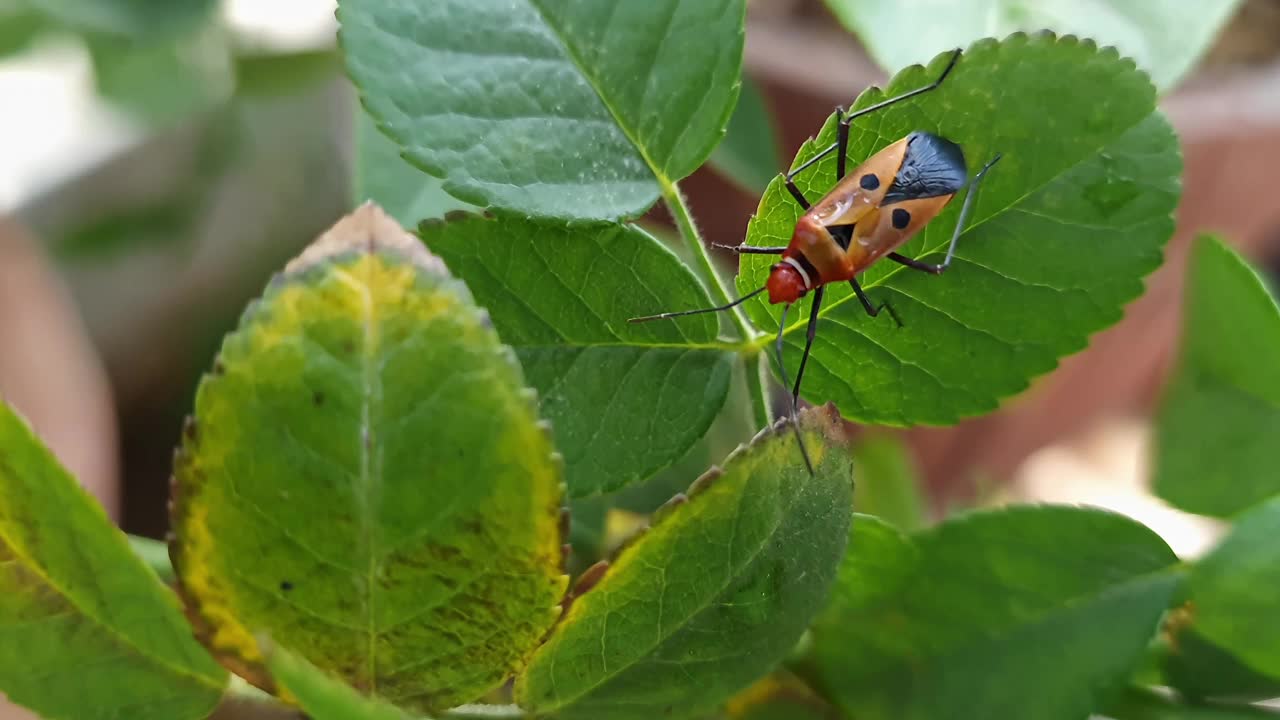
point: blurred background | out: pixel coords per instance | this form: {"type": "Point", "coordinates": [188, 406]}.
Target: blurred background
{"type": "Point", "coordinates": [151, 180]}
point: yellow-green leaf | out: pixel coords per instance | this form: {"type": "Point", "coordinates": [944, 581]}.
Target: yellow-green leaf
{"type": "Point", "coordinates": [87, 631]}
{"type": "Point", "coordinates": [711, 597]}
{"type": "Point", "coordinates": [367, 481]}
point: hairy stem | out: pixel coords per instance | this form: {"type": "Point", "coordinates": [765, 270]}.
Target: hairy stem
{"type": "Point", "coordinates": [706, 271]}
{"type": "Point", "coordinates": [719, 295]}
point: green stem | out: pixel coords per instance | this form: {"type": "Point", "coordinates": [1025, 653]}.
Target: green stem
{"type": "Point", "coordinates": [720, 296]}
{"type": "Point", "coordinates": [756, 388]}
{"type": "Point", "coordinates": [689, 231]}
{"type": "Point", "coordinates": [155, 554]}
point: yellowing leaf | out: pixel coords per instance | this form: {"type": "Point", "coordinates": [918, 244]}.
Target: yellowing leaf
{"type": "Point", "coordinates": [87, 631]}
{"type": "Point", "coordinates": [366, 480]}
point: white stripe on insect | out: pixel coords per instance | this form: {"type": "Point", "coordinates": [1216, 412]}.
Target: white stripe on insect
{"type": "Point", "coordinates": [808, 284]}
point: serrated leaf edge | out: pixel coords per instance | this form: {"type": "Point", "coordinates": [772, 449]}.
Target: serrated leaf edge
{"type": "Point", "coordinates": [370, 216]}
{"type": "Point", "coordinates": [1133, 292]}
{"type": "Point", "coordinates": [831, 429]}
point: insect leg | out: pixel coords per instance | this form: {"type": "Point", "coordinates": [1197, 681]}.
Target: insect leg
{"type": "Point", "coordinates": [665, 315]}
{"type": "Point", "coordinates": [795, 191]}
{"type": "Point", "coordinates": [964, 215]}
{"type": "Point", "coordinates": [750, 249]}
{"type": "Point", "coordinates": [872, 310]}
{"type": "Point", "coordinates": [842, 142]}
{"type": "Point", "coordinates": [808, 343]}
{"type": "Point", "coordinates": [910, 94]}
{"type": "Point", "coordinates": [804, 360]}
{"type": "Point", "coordinates": [795, 393]}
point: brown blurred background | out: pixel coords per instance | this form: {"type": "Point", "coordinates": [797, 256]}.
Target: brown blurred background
{"type": "Point", "coordinates": [120, 272]}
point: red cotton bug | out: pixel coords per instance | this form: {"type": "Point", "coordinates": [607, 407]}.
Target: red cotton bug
{"type": "Point", "coordinates": [869, 213]}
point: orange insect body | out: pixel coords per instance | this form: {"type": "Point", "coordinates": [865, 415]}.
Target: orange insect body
{"type": "Point", "coordinates": [871, 212]}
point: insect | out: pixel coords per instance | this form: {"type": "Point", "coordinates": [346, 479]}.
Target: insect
{"type": "Point", "coordinates": [867, 215]}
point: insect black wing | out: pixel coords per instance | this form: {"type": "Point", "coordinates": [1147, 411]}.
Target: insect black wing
{"type": "Point", "coordinates": [933, 166]}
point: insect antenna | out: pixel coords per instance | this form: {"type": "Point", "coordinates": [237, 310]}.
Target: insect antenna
{"type": "Point", "coordinates": [735, 303]}
{"type": "Point", "coordinates": [795, 422]}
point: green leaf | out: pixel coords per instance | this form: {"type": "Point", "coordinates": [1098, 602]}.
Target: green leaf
{"type": "Point", "coordinates": [624, 400]}
{"type": "Point", "coordinates": [888, 483]}
{"type": "Point", "coordinates": [133, 18]}
{"type": "Point", "coordinates": [713, 595]}
{"type": "Point", "coordinates": [277, 74]}
{"type": "Point", "coordinates": [1219, 423]}
{"type": "Point", "coordinates": [958, 621]}
{"type": "Point", "coordinates": [405, 192]}
{"type": "Point", "coordinates": [1147, 705]}
{"type": "Point", "coordinates": [1199, 669]}
{"type": "Point", "coordinates": [748, 155]}
{"type": "Point", "coordinates": [167, 80]}
{"type": "Point", "coordinates": [588, 518]}
{"type": "Point", "coordinates": [367, 481]}
{"type": "Point", "coordinates": [79, 610]}
{"type": "Point", "coordinates": [549, 107]}
{"type": "Point", "coordinates": [1234, 591]}
{"type": "Point", "coordinates": [19, 26]}
{"type": "Point", "coordinates": [734, 423]}
{"type": "Point", "coordinates": [1166, 37]}
{"type": "Point", "coordinates": [1061, 234]}
{"type": "Point", "coordinates": [322, 696]}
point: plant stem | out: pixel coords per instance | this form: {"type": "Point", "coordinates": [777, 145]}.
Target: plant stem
{"type": "Point", "coordinates": [720, 295]}
{"type": "Point", "coordinates": [755, 387]}
{"type": "Point", "coordinates": [689, 231]}
{"type": "Point", "coordinates": [155, 554]}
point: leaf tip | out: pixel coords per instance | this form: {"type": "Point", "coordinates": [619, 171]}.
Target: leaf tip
{"type": "Point", "coordinates": [367, 229]}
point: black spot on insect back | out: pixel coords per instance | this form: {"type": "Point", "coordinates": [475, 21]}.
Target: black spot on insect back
{"type": "Point", "coordinates": [901, 218]}
{"type": "Point", "coordinates": [869, 181]}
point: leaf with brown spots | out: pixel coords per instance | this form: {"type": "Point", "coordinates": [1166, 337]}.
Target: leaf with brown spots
{"type": "Point", "coordinates": [401, 533]}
